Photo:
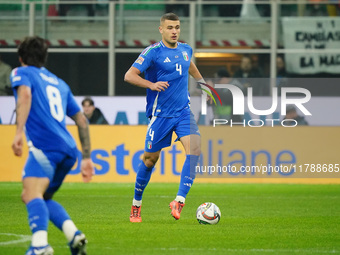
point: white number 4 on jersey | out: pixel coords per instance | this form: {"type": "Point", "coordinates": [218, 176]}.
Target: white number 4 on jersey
{"type": "Point", "coordinates": [151, 133]}
{"type": "Point", "coordinates": [179, 69]}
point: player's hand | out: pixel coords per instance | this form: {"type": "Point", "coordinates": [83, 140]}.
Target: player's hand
{"type": "Point", "coordinates": [87, 169]}
{"type": "Point", "coordinates": [17, 145]}
{"type": "Point", "coordinates": [159, 86]}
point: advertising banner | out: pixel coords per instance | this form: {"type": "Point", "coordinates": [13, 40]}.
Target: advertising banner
{"type": "Point", "coordinates": [278, 154]}
{"type": "Point", "coordinates": [312, 33]}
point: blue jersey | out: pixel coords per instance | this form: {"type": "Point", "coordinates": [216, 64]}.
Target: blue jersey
{"type": "Point", "coordinates": [51, 100]}
{"type": "Point", "coordinates": [160, 63]}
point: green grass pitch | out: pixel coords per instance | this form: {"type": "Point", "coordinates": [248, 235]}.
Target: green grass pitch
{"type": "Point", "coordinates": [256, 219]}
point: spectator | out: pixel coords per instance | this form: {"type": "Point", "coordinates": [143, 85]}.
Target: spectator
{"type": "Point", "coordinates": [5, 83]}
{"type": "Point", "coordinates": [281, 67]}
{"type": "Point", "coordinates": [246, 74]}
{"type": "Point", "coordinates": [246, 69]}
{"type": "Point", "coordinates": [292, 115]}
{"type": "Point", "coordinates": [93, 114]}
{"type": "Point", "coordinates": [281, 73]}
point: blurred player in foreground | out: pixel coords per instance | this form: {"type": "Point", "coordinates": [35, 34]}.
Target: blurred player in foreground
{"type": "Point", "coordinates": [166, 65]}
{"type": "Point", "coordinates": [42, 100]}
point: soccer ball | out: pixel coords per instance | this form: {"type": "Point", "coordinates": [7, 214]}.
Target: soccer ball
{"type": "Point", "coordinates": [208, 213]}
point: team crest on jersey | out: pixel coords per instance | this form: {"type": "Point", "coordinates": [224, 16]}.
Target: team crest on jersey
{"type": "Point", "coordinates": [185, 55]}
{"type": "Point", "coordinates": [149, 145]}
{"type": "Point", "coordinates": [140, 60]}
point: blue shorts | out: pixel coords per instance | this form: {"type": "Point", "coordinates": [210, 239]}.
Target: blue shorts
{"type": "Point", "coordinates": [159, 134]}
{"type": "Point", "coordinates": [53, 165]}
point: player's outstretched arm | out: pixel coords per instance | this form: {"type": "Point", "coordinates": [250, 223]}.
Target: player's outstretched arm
{"type": "Point", "coordinates": [193, 71]}
{"type": "Point", "coordinates": [23, 107]}
{"type": "Point", "coordinates": [132, 77]}
{"type": "Point", "coordinates": [87, 168]}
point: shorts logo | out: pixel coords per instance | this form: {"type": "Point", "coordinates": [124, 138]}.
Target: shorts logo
{"type": "Point", "coordinates": [139, 60]}
{"type": "Point", "coordinates": [149, 145]}
{"type": "Point", "coordinates": [185, 55]}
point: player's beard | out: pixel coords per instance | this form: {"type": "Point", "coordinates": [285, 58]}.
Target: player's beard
{"type": "Point", "coordinates": [172, 42]}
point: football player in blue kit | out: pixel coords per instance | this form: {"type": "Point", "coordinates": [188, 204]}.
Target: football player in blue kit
{"type": "Point", "coordinates": [166, 65]}
{"type": "Point", "coordinates": [42, 102]}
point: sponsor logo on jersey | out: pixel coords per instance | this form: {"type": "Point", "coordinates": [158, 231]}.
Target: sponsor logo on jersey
{"type": "Point", "coordinates": [167, 60]}
{"type": "Point", "coordinates": [140, 60]}
{"type": "Point", "coordinates": [185, 55]}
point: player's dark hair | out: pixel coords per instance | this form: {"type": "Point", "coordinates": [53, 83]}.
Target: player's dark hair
{"type": "Point", "coordinates": [169, 16]}
{"type": "Point", "coordinates": [87, 99]}
{"type": "Point", "coordinates": [33, 51]}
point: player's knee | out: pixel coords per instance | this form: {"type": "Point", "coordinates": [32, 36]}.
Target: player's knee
{"type": "Point", "coordinates": [150, 161]}
{"type": "Point", "coordinates": [26, 196]}
{"type": "Point", "coordinates": [195, 150]}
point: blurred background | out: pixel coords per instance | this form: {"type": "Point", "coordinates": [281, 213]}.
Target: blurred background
{"type": "Point", "coordinates": [249, 43]}
{"type": "Point", "coordinates": [93, 43]}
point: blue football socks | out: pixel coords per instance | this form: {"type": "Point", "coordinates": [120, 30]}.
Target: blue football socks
{"type": "Point", "coordinates": [187, 175]}
{"type": "Point", "coordinates": [142, 180]}
{"type": "Point", "coordinates": [58, 214]}
{"type": "Point", "coordinates": [38, 215]}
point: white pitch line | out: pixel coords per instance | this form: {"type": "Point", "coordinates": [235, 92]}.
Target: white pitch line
{"type": "Point", "coordinates": [23, 239]}
{"type": "Point", "coordinates": [276, 251]}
